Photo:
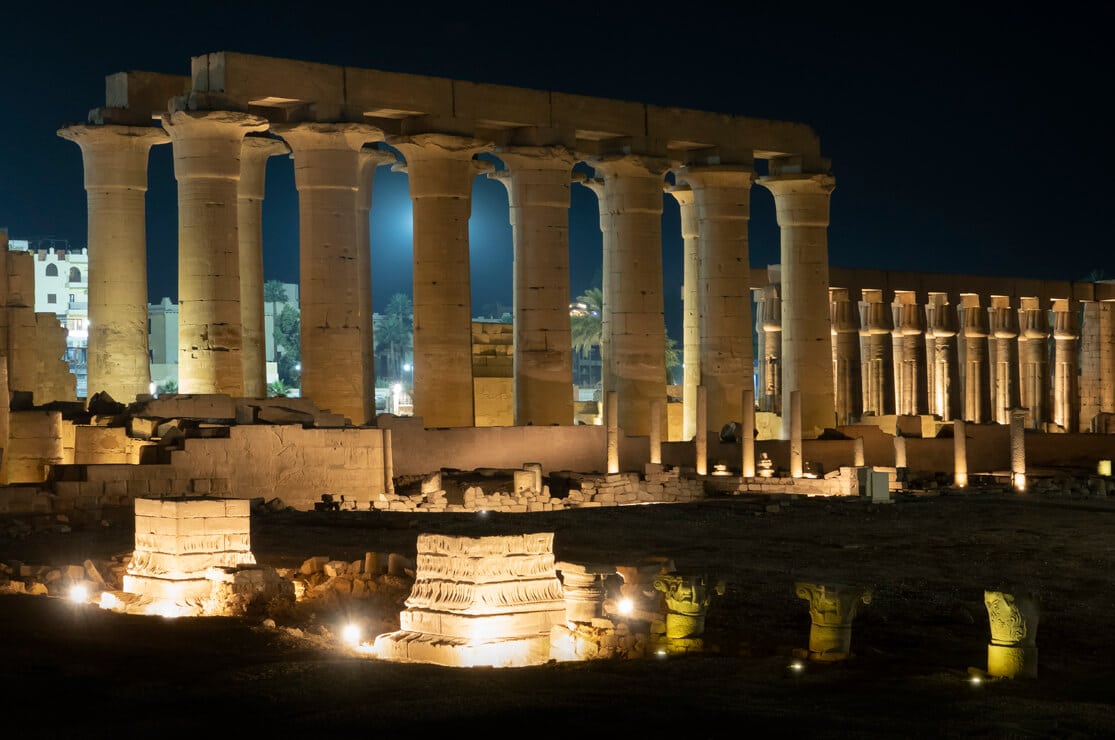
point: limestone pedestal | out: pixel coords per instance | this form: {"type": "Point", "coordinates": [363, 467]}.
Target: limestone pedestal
{"type": "Point", "coordinates": [479, 601]}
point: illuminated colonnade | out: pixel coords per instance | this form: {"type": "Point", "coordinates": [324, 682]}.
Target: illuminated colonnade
{"type": "Point", "coordinates": [332, 118]}
{"type": "Point", "coordinates": [930, 344]}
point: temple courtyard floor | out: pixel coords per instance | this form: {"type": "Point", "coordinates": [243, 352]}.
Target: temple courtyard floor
{"type": "Point", "coordinates": [919, 645]}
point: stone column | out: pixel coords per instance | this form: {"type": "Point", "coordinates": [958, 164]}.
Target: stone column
{"type": "Point", "coordinates": [115, 161]}
{"type": "Point", "coordinates": [332, 298]}
{"type": "Point", "coordinates": [972, 347]}
{"type": "Point", "coordinates": [1012, 651]}
{"type": "Point", "coordinates": [722, 197]}
{"type": "Point", "coordinates": [832, 607]}
{"type": "Point", "coordinates": [909, 354]}
{"type": "Point", "coordinates": [537, 181]}
{"type": "Point", "coordinates": [847, 373]}
{"type": "Point", "coordinates": [633, 289]}
{"type": "Point", "coordinates": [1003, 352]}
{"type": "Point", "coordinates": [691, 327]}
{"type": "Point", "coordinates": [1066, 392]}
{"type": "Point", "coordinates": [876, 355]}
{"type": "Point", "coordinates": [941, 365]}
{"type": "Point", "coordinates": [1033, 362]}
{"type": "Point", "coordinates": [611, 420]}
{"type": "Point", "coordinates": [207, 149]}
{"type": "Point", "coordinates": [802, 208]}
{"type": "Point", "coordinates": [1017, 422]}
{"type": "Point", "coordinates": [656, 433]}
{"type": "Point", "coordinates": [959, 454]}
{"type": "Point", "coordinates": [583, 586]}
{"type": "Point", "coordinates": [857, 452]}
{"type": "Point", "coordinates": [608, 236]}
{"type": "Point", "coordinates": [769, 328]}
{"type": "Point", "coordinates": [900, 454]}
{"type": "Point", "coordinates": [687, 600]}
{"type": "Point", "coordinates": [368, 161]}
{"type": "Point", "coordinates": [249, 212]}
{"type": "Point", "coordinates": [747, 442]}
{"type": "Point", "coordinates": [441, 169]}
{"type": "Point", "coordinates": [1097, 362]}
{"type": "Point", "coordinates": [796, 461]}
{"type": "Point", "coordinates": [701, 440]}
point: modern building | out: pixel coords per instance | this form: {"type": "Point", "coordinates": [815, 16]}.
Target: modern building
{"type": "Point", "coordinates": [62, 288]}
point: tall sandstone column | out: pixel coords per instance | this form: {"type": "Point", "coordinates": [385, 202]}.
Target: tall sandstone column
{"type": "Point", "coordinates": [909, 354]}
{"type": "Point", "coordinates": [115, 161]}
{"type": "Point", "coordinates": [941, 357]}
{"type": "Point", "coordinates": [368, 160]}
{"type": "Point", "coordinates": [538, 182]}
{"type": "Point", "coordinates": [876, 353]}
{"type": "Point", "coordinates": [974, 369]}
{"type": "Point", "coordinates": [633, 289]}
{"type": "Point", "coordinates": [1066, 391]}
{"type": "Point", "coordinates": [1033, 362]}
{"type": "Point", "coordinates": [1003, 358]}
{"type": "Point", "coordinates": [441, 169]}
{"type": "Point", "coordinates": [802, 208]}
{"type": "Point", "coordinates": [845, 357]}
{"type": "Point", "coordinates": [1097, 362]}
{"type": "Point", "coordinates": [207, 147]}
{"type": "Point", "coordinates": [690, 314]}
{"type": "Point", "coordinates": [722, 198]}
{"type": "Point", "coordinates": [253, 176]}
{"type": "Point", "coordinates": [768, 325]}
{"type": "Point", "coordinates": [608, 238]}
{"type": "Point", "coordinates": [334, 320]}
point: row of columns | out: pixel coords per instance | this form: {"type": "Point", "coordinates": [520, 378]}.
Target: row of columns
{"type": "Point", "coordinates": [220, 162]}
{"type": "Point", "coordinates": [956, 361]}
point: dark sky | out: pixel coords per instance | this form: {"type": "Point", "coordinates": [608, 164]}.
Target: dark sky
{"type": "Point", "coordinates": [960, 141]}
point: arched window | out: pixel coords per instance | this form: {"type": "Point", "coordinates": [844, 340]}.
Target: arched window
{"type": "Point", "coordinates": [52, 270]}
{"type": "Point", "coordinates": [75, 275]}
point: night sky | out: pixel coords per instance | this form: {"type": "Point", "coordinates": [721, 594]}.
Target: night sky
{"type": "Point", "coordinates": [960, 142]}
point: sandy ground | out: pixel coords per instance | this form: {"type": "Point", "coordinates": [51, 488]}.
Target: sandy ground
{"type": "Point", "coordinates": [68, 669]}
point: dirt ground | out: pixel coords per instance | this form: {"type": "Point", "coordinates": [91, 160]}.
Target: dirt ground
{"type": "Point", "coordinates": [927, 559]}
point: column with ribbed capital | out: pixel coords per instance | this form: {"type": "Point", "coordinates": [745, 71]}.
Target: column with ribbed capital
{"type": "Point", "coordinates": [607, 237]}
{"type": "Point", "coordinates": [115, 162]}
{"type": "Point", "coordinates": [845, 357]}
{"type": "Point", "coordinates": [633, 201]}
{"type": "Point", "coordinates": [972, 349]}
{"type": "Point", "coordinates": [537, 181]}
{"type": "Point", "coordinates": [941, 364]}
{"type": "Point", "coordinates": [909, 354]}
{"type": "Point", "coordinates": [334, 320]}
{"type": "Point", "coordinates": [802, 208]}
{"type": "Point", "coordinates": [1033, 361]}
{"type": "Point", "coordinates": [876, 355]}
{"type": "Point", "coordinates": [367, 161]}
{"type": "Point", "coordinates": [1066, 392]}
{"type": "Point", "coordinates": [441, 169]}
{"type": "Point", "coordinates": [690, 315]}
{"type": "Point", "coordinates": [722, 198]}
{"type": "Point", "coordinates": [253, 175]}
{"type": "Point", "coordinates": [1003, 358]}
{"type": "Point", "coordinates": [207, 149]}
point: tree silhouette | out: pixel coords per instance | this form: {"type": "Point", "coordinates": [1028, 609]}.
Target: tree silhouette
{"type": "Point", "coordinates": [586, 321]}
{"type": "Point", "coordinates": [395, 333]}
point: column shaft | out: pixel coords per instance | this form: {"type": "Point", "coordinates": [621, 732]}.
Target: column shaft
{"type": "Point", "coordinates": [722, 198]}
{"type": "Point", "coordinates": [690, 321]}
{"type": "Point", "coordinates": [846, 369]}
{"type": "Point", "coordinates": [537, 181]}
{"type": "Point", "coordinates": [633, 287]}
{"type": "Point", "coordinates": [974, 360]}
{"type": "Point", "coordinates": [441, 170]}
{"type": "Point", "coordinates": [207, 147]}
{"type": "Point", "coordinates": [115, 162]}
{"type": "Point", "coordinates": [334, 294]}
{"type": "Point", "coordinates": [1066, 395]}
{"type": "Point", "coordinates": [802, 208]}
{"type": "Point", "coordinates": [253, 174]}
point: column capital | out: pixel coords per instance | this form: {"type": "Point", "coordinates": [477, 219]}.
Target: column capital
{"type": "Point", "coordinates": [84, 134]}
{"type": "Point", "coordinates": [254, 152]}
{"type": "Point", "coordinates": [629, 165]}
{"type": "Point", "coordinates": [439, 145]}
{"type": "Point", "coordinates": [800, 200]}
{"type": "Point", "coordinates": [536, 157]}
{"type": "Point", "coordinates": [176, 122]}
{"type": "Point", "coordinates": [310, 136]}
{"type": "Point", "coordinates": [717, 176]}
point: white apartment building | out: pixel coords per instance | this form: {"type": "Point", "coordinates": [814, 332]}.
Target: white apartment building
{"type": "Point", "coordinates": [62, 288]}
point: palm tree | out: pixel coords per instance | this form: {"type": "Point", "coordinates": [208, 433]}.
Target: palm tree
{"type": "Point", "coordinates": [278, 388]}
{"type": "Point", "coordinates": [586, 321]}
{"type": "Point", "coordinates": [394, 335]}
{"type": "Point", "coordinates": [673, 358]}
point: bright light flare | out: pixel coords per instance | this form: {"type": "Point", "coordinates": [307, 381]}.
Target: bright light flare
{"type": "Point", "coordinates": [625, 606]}
{"type": "Point", "coordinates": [797, 666]}
{"type": "Point", "coordinates": [351, 634]}
{"type": "Point", "coordinates": [79, 593]}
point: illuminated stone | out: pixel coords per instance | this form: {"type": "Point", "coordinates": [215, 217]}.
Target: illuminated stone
{"type": "Point", "coordinates": [1012, 651]}
{"type": "Point", "coordinates": [687, 600]}
{"type": "Point", "coordinates": [832, 607]}
{"type": "Point", "coordinates": [479, 601]}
